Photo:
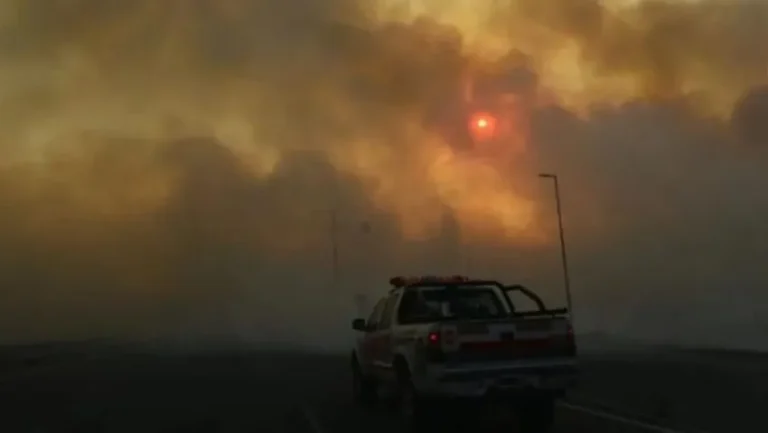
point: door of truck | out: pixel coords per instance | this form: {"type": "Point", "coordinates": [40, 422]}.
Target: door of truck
{"type": "Point", "coordinates": [367, 349]}
{"type": "Point", "coordinates": [521, 299]}
{"type": "Point", "coordinates": [382, 337]}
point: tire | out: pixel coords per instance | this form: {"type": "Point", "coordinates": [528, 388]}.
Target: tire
{"type": "Point", "coordinates": [537, 415]}
{"type": "Point", "coordinates": [411, 408]}
{"type": "Point", "coordinates": [363, 388]}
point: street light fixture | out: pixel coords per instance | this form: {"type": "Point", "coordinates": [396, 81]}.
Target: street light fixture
{"type": "Point", "coordinates": [566, 276]}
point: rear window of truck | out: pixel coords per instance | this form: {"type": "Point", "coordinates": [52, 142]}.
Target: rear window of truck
{"type": "Point", "coordinates": [427, 304]}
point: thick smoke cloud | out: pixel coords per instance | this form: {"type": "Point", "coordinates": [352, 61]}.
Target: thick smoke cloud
{"type": "Point", "coordinates": [172, 168]}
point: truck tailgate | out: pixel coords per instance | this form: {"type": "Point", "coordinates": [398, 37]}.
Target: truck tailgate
{"type": "Point", "coordinates": [513, 339]}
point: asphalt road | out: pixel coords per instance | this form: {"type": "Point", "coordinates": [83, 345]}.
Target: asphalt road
{"type": "Point", "coordinates": [215, 392]}
{"type": "Point", "coordinates": [689, 390]}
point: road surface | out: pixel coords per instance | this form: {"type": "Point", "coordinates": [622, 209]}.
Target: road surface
{"type": "Point", "coordinates": [691, 390]}
{"type": "Point", "coordinates": [220, 392]}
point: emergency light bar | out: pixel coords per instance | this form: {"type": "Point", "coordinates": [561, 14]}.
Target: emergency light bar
{"type": "Point", "coordinates": [398, 282]}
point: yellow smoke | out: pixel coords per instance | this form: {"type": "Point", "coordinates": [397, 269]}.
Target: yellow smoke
{"type": "Point", "coordinates": [145, 140]}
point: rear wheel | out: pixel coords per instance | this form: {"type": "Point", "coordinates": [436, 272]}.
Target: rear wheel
{"type": "Point", "coordinates": [411, 408]}
{"type": "Point", "coordinates": [363, 387]}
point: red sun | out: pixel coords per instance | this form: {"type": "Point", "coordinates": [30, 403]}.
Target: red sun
{"type": "Point", "coordinates": [482, 126]}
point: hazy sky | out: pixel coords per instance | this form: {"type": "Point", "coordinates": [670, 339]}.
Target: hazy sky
{"type": "Point", "coordinates": [169, 167]}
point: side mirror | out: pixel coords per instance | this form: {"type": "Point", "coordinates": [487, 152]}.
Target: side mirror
{"type": "Point", "coordinates": [359, 325]}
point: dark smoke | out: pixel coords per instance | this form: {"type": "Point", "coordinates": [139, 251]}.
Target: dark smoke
{"type": "Point", "coordinates": [172, 168]}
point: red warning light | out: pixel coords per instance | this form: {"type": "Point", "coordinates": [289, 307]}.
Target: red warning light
{"type": "Point", "coordinates": [400, 281]}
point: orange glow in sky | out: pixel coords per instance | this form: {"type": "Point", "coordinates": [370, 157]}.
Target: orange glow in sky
{"type": "Point", "coordinates": [482, 126]}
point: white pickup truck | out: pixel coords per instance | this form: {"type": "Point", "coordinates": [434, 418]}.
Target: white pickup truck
{"type": "Point", "coordinates": [436, 340]}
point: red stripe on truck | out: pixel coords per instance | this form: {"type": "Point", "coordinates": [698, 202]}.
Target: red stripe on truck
{"type": "Point", "coordinates": [532, 344]}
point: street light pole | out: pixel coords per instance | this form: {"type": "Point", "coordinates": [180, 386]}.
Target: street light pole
{"type": "Point", "coordinates": [564, 255]}
{"type": "Point", "coordinates": [334, 229]}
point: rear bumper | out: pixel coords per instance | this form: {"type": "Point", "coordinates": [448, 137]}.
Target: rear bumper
{"type": "Point", "coordinates": [507, 381]}
{"type": "Point", "coordinates": [506, 397]}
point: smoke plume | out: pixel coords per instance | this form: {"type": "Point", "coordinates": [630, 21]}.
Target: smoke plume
{"type": "Point", "coordinates": [245, 168]}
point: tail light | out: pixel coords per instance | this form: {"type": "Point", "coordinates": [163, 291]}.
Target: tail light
{"type": "Point", "coordinates": [433, 349]}
{"type": "Point", "coordinates": [571, 341]}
